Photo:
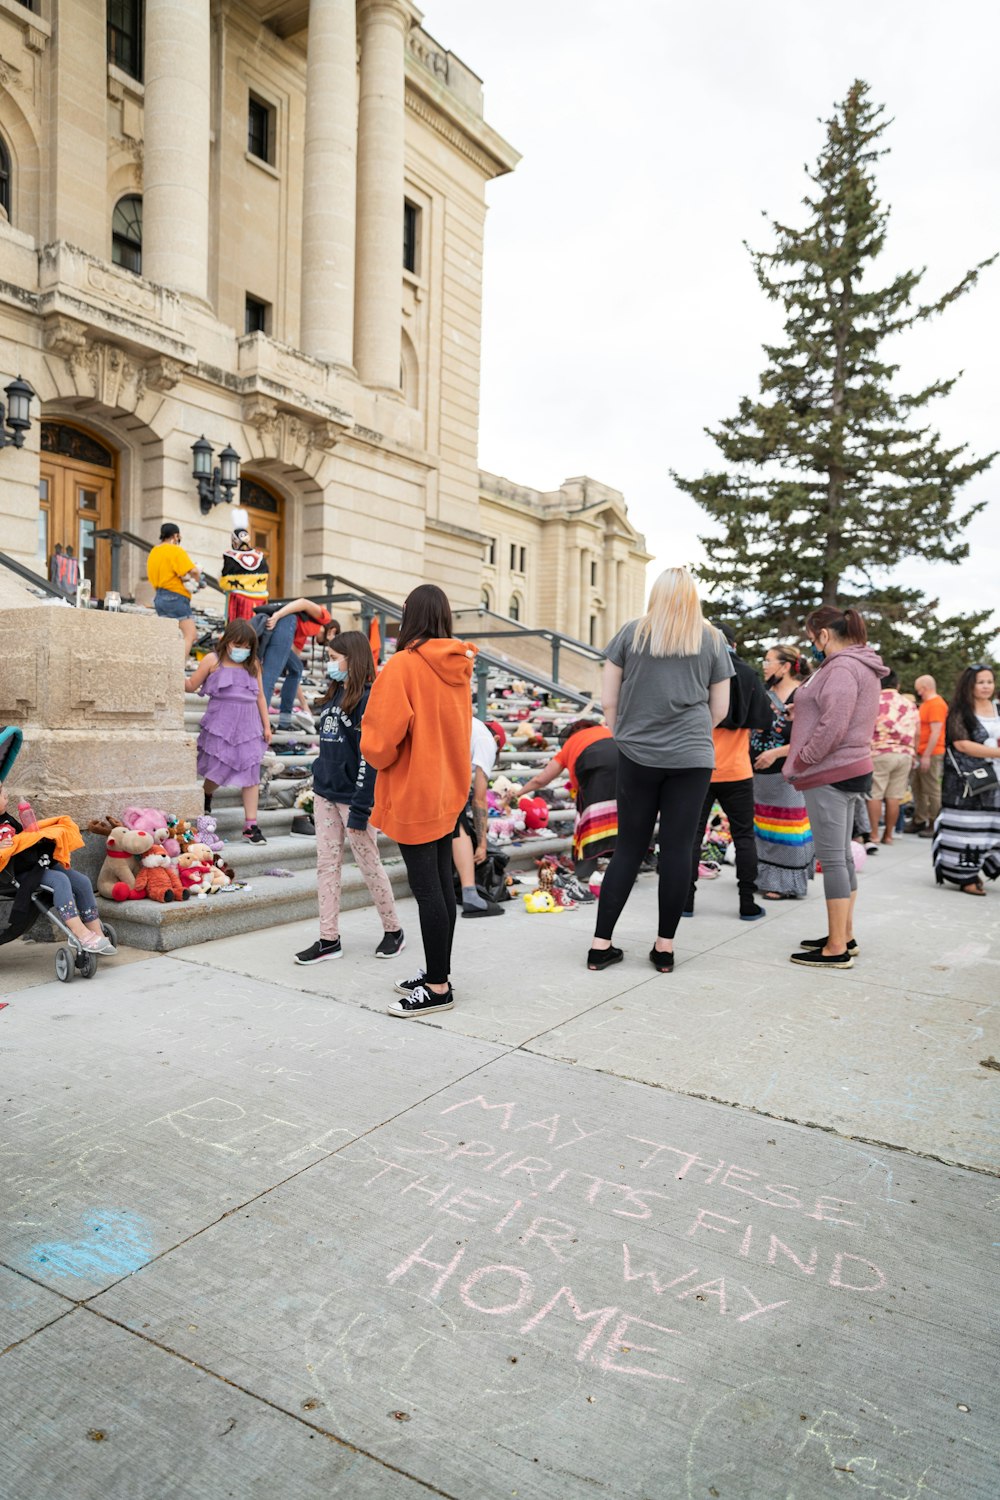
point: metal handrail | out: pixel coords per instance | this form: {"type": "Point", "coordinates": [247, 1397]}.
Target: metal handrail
{"type": "Point", "coordinates": [117, 538]}
{"type": "Point", "coordinates": [35, 579]}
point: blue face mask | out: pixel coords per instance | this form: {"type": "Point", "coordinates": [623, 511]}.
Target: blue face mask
{"type": "Point", "coordinates": [817, 654]}
{"type": "Point", "coordinates": [335, 674]}
{"type": "Point", "coordinates": [239, 654]}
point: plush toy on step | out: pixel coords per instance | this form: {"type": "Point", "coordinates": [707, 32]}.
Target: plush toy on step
{"type": "Point", "coordinates": [158, 879]}
{"type": "Point", "coordinates": [123, 849]}
{"type": "Point", "coordinates": [195, 875]}
{"type": "Point", "coordinates": [149, 820]}
{"type": "Point", "coordinates": [536, 813]}
{"type": "Point", "coordinates": [205, 833]}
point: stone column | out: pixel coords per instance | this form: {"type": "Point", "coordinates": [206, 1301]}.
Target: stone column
{"type": "Point", "coordinates": [610, 594]}
{"type": "Point", "coordinates": [177, 123]}
{"type": "Point", "coordinates": [330, 182]}
{"type": "Point", "coordinates": [378, 308]}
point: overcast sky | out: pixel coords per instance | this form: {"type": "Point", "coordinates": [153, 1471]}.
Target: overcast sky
{"type": "Point", "coordinates": [621, 311]}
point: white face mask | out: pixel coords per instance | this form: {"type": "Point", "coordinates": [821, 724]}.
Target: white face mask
{"type": "Point", "coordinates": [239, 654]}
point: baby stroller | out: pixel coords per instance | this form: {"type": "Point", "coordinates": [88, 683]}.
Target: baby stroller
{"type": "Point", "coordinates": [23, 903]}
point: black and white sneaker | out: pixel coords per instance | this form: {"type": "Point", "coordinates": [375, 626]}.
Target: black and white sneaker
{"type": "Point", "coordinates": [253, 835]}
{"type": "Point", "coordinates": [321, 949]}
{"type": "Point", "coordinates": [391, 944]}
{"type": "Point", "coordinates": [421, 1002]}
{"type": "Point", "coordinates": [407, 986]}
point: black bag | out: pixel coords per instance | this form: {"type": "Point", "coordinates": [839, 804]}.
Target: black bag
{"type": "Point", "coordinates": [491, 878]}
{"type": "Point", "coordinates": [974, 783]}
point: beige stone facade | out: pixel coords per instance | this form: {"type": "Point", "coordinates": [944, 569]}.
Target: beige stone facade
{"type": "Point", "coordinates": [566, 559]}
{"type": "Point", "coordinates": [278, 148]}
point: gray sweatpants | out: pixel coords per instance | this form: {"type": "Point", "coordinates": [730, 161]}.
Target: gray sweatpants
{"type": "Point", "coordinates": [831, 817]}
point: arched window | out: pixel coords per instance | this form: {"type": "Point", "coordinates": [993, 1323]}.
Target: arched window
{"type": "Point", "coordinates": [515, 608]}
{"type": "Point", "coordinates": [5, 180]}
{"type": "Point", "coordinates": [486, 602]}
{"type": "Point", "coordinates": [126, 233]}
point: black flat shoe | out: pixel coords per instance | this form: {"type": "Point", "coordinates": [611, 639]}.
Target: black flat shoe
{"type": "Point", "coordinates": [814, 958]}
{"type": "Point", "coordinates": [814, 944]}
{"type": "Point", "coordinates": [603, 958]}
{"type": "Point", "coordinates": [663, 963]}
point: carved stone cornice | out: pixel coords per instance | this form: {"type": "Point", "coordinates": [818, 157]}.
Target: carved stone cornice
{"type": "Point", "coordinates": [162, 374]}
{"type": "Point", "coordinates": [66, 339]}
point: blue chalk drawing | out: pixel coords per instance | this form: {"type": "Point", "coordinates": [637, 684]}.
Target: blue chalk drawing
{"type": "Point", "coordinates": [112, 1244]}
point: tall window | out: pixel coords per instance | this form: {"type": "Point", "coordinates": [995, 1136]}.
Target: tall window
{"type": "Point", "coordinates": [4, 180]}
{"type": "Point", "coordinates": [593, 576]}
{"type": "Point", "coordinates": [411, 237]}
{"type": "Point", "coordinates": [491, 550]}
{"type": "Point", "coordinates": [125, 19]}
{"type": "Point", "coordinates": [486, 602]}
{"type": "Point", "coordinates": [260, 130]}
{"type": "Point", "coordinates": [126, 234]}
{"type": "Point", "coordinates": [257, 315]}
{"type": "Point", "coordinates": [515, 608]}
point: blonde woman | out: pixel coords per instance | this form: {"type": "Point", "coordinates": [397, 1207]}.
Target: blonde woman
{"type": "Point", "coordinates": [666, 686]}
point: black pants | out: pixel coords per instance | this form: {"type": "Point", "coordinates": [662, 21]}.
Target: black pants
{"type": "Point", "coordinates": [736, 800]}
{"type": "Point", "coordinates": [428, 869]}
{"type": "Point", "coordinates": [643, 793]}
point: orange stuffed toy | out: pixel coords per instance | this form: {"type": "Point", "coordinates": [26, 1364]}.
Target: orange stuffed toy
{"type": "Point", "coordinates": [158, 879]}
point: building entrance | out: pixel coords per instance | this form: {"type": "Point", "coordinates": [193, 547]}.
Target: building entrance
{"type": "Point", "coordinates": [265, 524]}
{"type": "Point", "coordinates": [76, 499]}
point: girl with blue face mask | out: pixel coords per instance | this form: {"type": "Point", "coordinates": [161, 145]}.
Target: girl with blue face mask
{"type": "Point", "coordinates": [343, 793]}
{"type": "Point", "coordinates": [235, 730]}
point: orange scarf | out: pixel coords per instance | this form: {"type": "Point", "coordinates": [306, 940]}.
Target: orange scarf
{"type": "Point", "coordinates": [62, 831]}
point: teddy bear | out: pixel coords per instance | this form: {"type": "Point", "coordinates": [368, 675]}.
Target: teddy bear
{"type": "Point", "coordinates": [180, 834]}
{"type": "Point", "coordinates": [205, 833]}
{"type": "Point", "coordinates": [158, 879]}
{"type": "Point", "coordinates": [195, 873]}
{"type": "Point", "coordinates": [149, 819]}
{"type": "Point", "coordinates": [216, 876]}
{"type": "Point", "coordinates": [122, 848]}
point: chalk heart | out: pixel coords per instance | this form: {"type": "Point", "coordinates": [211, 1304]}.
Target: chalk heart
{"type": "Point", "coordinates": [423, 1345]}
{"type": "Point", "coordinates": [110, 1243]}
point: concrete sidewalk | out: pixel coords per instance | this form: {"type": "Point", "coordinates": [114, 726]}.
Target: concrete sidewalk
{"type": "Point", "coordinates": [261, 1238]}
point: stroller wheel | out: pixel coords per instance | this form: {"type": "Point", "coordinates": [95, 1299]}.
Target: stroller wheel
{"type": "Point", "coordinates": [65, 969]}
{"type": "Point", "coordinates": [110, 934]}
{"type": "Point", "coordinates": [86, 965]}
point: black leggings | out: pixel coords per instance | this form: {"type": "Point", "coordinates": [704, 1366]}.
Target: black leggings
{"type": "Point", "coordinates": [429, 871]}
{"type": "Point", "coordinates": [644, 792]}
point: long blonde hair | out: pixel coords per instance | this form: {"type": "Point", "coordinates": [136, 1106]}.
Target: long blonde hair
{"type": "Point", "coordinates": [673, 625]}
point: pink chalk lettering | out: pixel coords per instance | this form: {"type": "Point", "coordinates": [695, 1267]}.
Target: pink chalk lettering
{"type": "Point", "coordinates": [603, 1316]}
{"type": "Point", "coordinates": [745, 1242]}
{"type": "Point", "coordinates": [758, 1307]}
{"type": "Point", "coordinates": [776, 1245]}
{"type": "Point", "coordinates": [782, 1190]}
{"type": "Point", "coordinates": [557, 1180]}
{"type": "Point", "coordinates": [701, 1222]}
{"type": "Point", "coordinates": [418, 1259]}
{"type": "Point", "coordinates": [494, 1164]}
{"type": "Point", "coordinates": [715, 1288]}
{"type": "Point", "coordinates": [615, 1345]}
{"type": "Point", "coordinates": [633, 1197]}
{"type": "Point", "coordinates": [388, 1166]}
{"type": "Point", "coordinates": [464, 1200]}
{"type": "Point", "coordinates": [434, 1194]}
{"type": "Point", "coordinates": [529, 1165]}
{"type": "Point", "coordinates": [472, 1148]}
{"type": "Point", "coordinates": [550, 1125]}
{"type": "Point", "coordinates": [443, 1142]}
{"type": "Point", "coordinates": [507, 1218]}
{"type": "Point", "coordinates": [689, 1158]}
{"type": "Point", "coordinates": [739, 1172]}
{"type": "Point", "coordinates": [658, 1286]}
{"type": "Point", "coordinates": [508, 1109]}
{"type": "Point", "coordinates": [581, 1135]}
{"type": "Point", "coordinates": [823, 1203]}
{"type": "Point", "coordinates": [518, 1305]}
{"type": "Point", "coordinates": [837, 1280]}
{"type": "Point", "coordinates": [536, 1231]}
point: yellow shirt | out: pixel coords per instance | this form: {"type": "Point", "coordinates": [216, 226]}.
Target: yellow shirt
{"type": "Point", "coordinates": [166, 567]}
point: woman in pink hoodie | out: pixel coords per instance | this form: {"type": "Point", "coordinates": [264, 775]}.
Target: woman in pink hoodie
{"type": "Point", "coordinates": [830, 763]}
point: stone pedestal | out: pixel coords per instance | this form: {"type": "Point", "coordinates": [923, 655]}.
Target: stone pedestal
{"type": "Point", "coordinates": [100, 700]}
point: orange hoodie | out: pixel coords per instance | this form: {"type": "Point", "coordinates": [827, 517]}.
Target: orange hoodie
{"type": "Point", "coordinates": [416, 732]}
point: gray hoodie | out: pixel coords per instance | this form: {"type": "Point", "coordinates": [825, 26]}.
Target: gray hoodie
{"type": "Point", "coordinates": [834, 719]}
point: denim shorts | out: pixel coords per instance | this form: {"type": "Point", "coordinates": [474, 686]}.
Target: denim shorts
{"type": "Point", "coordinates": [172, 606]}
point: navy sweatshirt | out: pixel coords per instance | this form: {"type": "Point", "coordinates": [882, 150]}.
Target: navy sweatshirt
{"type": "Point", "coordinates": [340, 773]}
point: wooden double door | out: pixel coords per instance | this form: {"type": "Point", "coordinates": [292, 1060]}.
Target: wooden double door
{"type": "Point", "coordinates": [76, 499]}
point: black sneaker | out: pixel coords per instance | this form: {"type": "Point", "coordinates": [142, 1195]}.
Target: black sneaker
{"type": "Point", "coordinates": [407, 986]}
{"type": "Point", "coordinates": [320, 949]}
{"type": "Point", "coordinates": [815, 958]}
{"type": "Point", "coordinates": [303, 827]}
{"type": "Point", "coordinates": [391, 944]}
{"type": "Point", "coordinates": [421, 1002]}
{"type": "Point", "coordinates": [812, 945]}
{"type": "Point", "coordinates": [253, 835]}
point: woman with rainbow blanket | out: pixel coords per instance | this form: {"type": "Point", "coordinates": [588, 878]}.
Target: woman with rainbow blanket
{"type": "Point", "coordinates": [786, 859]}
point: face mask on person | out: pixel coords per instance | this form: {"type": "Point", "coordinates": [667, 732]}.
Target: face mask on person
{"type": "Point", "coordinates": [772, 681]}
{"type": "Point", "coordinates": [239, 654]}
{"type": "Point", "coordinates": [335, 674]}
{"type": "Point", "coordinates": [817, 654]}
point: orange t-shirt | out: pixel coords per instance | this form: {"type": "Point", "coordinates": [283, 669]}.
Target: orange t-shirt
{"type": "Point", "coordinates": [732, 755]}
{"type": "Point", "coordinates": [932, 711]}
{"type": "Point", "coordinates": [576, 745]}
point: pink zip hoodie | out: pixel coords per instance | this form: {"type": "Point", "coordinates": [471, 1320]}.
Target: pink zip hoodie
{"type": "Point", "coordinates": [834, 719]}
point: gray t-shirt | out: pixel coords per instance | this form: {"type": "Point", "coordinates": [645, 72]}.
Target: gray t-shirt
{"type": "Point", "coordinates": [663, 716]}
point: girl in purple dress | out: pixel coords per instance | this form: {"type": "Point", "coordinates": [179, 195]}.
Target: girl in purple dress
{"type": "Point", "coordinates": [235, 730]}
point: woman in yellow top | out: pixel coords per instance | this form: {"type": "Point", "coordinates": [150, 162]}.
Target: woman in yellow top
{"type": "Point", "coordinates": [168, 565]}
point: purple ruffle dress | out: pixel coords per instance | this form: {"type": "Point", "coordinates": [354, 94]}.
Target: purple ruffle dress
{"type": "Point", "coordinates": [231, 742]}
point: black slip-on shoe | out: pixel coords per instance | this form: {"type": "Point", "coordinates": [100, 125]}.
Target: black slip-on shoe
{"type": "Point", "coordinates": [603, 958]}
{"type": "Point", "coordinates": [812, 945]}
{"type": "Point", "coordinates": [663, 963]}
{"type": "Point", "coordinates": [319, 950]}
{"type": "Point", "coordinates": [814, 958]}
{"type": "Point", "coordinates": [392, 943]}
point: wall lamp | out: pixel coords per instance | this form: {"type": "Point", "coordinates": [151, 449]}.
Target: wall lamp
{"type": "Point", "coordinates": [215, 484]}
{"type": "Point", "coordinates": [16, 418]}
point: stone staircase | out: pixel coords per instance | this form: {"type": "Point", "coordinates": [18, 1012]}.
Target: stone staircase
{"type": "Point", "coordinates": [269, 900]}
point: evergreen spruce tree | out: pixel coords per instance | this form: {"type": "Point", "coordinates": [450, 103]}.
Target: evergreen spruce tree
{"type": "Point", "coordinates": [833, 479]}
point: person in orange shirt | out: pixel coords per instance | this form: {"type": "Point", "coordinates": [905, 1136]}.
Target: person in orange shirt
{"type": "Point", "coordinates": [732, 784]}
{"type": "Point", "coordinates": [926, 779]}
{"type": "Point", "coordinates": [417, 732]}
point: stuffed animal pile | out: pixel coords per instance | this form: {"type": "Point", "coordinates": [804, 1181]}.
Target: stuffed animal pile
{"type": "Point", "coordinates": [150, 855]}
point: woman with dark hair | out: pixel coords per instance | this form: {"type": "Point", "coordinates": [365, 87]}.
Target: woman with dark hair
{"type": "Point", "coordinates": [417, 732]}
{"type": "Point", "coordinates": [343, 792]}
{"type": "Point", "coordinates": [786, 858]}
{"type": "Point", "coordinates": [829, 761]}
{"type": "Point", "coordinates": [967, 833]}
{"type": "Point", "coordinates": [589, 755]}
{"type": "Point", "coordinates": [235, 729]}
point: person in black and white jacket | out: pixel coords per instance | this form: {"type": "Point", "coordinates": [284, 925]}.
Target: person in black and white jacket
{"type": "Point", "coordinates": [343, 793]}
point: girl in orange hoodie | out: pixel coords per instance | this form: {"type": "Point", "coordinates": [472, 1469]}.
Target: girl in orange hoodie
{"type": "Point", "coordinates": [416, 733]}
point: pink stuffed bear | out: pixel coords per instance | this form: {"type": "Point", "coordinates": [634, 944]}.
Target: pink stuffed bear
{"type": "Point", "coordinates": [148, 820]}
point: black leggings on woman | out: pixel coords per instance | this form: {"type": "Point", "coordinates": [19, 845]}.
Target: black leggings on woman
{"type": "Point", "coordinates": [643, 793]}
{"type": "Point", "coordinates": [429, 871]}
